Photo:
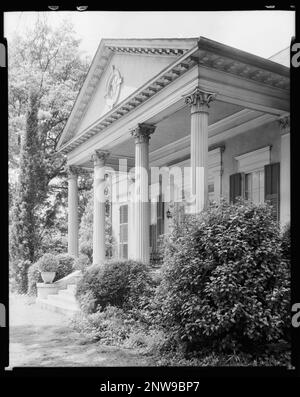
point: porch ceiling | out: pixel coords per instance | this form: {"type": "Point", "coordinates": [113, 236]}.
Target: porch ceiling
{"type": "Point", "coordinates": [172, 132]}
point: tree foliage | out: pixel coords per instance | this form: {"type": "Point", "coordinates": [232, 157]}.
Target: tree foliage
{"type": "Point", "coordinates": [46, 71]}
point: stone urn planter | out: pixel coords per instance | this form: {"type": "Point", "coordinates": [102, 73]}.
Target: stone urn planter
{"type": "Point", "coordinates": [48, 277]}
{"type": "Point", "coordinates": [48, 265]}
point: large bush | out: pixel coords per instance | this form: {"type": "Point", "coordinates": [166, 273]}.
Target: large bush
{"type": "Point", "coordinates": [123, 284]}
{"type": "Point", "coordinates": [225, 283]}
{"type": "Point", "coordinates": [82, 262]}
{"type": "Point", "coordinates": [65, 265]}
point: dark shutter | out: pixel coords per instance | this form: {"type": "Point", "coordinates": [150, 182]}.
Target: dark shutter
{"type": "Point", "coordinates": [153, 237]}
{"type": "Point", "coordinates": [123, 244]}
{"type": "Point", "coordinates": [235, 187]}
{"type": "Point", "coordinates": [272, 187]}
{"type": "Point", "coordinates": [124, 213]}
{"type": "Point", "coordinates": [160, 216]}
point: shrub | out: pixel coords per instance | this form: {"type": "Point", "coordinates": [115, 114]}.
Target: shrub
{"type": "Point", "coordinates": [86, 248]}
{"type": "Point", "coordinates": [286, 242]}
{"type": "Point", "coordinates": [48, 263]}
{"type": "Point", "coordinates": [34, 276]}
{"type": "Point", "coordinates": [110, 326]}
{"type": "Point", "coordinates": [225, 283]}
{"type": "Point", "coordinates": [65, 265]}
{"type": "Point", "coordinates": [82, 263]}
{"type": "Point", "coordinates": [123, 284]}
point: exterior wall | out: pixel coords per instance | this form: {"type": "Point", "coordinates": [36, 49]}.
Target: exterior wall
{"type": "Point", "coordinates": [266, 135]}
{"type": "Point", "coordinates": [135, 70]}
{"type": "Point", "coordinates": [222, 164]}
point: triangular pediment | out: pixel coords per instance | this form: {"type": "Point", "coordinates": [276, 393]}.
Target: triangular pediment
{"type": "Point", "coordinates": [118, 69]}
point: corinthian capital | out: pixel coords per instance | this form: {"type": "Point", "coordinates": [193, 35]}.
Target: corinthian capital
{"type": "Point", "coordinates": [199, 98]}
{"type": "Point", "coordinates": [142, 132]}
{"type": "Point", "coordinates": [284, 123]}
{"type": "Point", "coordinates": [72, 171]}
{"type": "Point", "coordinates": [100, 157]}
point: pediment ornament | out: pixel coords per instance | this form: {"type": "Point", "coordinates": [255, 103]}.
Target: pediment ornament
{"type": "Point", "coordinates": [113, 87]}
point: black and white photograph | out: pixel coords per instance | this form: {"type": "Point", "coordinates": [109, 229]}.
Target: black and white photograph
{"type": "Point", "coordinates": [149, 176]}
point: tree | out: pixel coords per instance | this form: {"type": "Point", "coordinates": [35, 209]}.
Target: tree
{"type": "Point", "coordinates": [25, 236]}
{"type": "Point", "coordinates": [46, 73]}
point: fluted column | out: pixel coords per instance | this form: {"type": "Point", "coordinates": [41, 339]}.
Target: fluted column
{"type": "Point", "coordinates": [285, 171]}
{"type": "Point", "coordinates": [72, 211]}
{"type": "Point", "coordinates": [142, 208]}
{"type": "Point", "coordinates": [199, 102]}
{"type": "Point", "coordinates": [99, 158]}
{"type": "Point", "coordinates": [131, 218]}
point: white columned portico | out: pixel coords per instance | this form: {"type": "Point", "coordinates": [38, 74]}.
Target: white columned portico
{"type": "Point", "coordinates": [285, 171]}
{"type": "Point", "coordinates": [72, 211]}
{"type": "Point", "coordinates": [99, 159]}
{"type": "Point", "coordinates": [142, 208]}
{"type": "Point", "coordinates": [199, 101]}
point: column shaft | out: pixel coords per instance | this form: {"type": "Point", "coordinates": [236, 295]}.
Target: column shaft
{"type": "Point", "coordinates": [199, 158]}
{"type": "Point", "coordinates": [199, 101]}
{"type": "Point", "coordinates": [142, 208]}
{"type": "Point", "coordinates": [99, 208]}
{"type": "Point", "coordinates": [285, 173]}
{"type": "Point", "coordinates": [72, 212]}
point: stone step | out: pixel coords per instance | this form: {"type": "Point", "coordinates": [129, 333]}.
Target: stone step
{"type": "Point", "coordinates": [71, 287]}
{"type": "Point", "coordinates": [67, 298]}
{"type": "Point", "coordinates": [66, 292]}
{"type": "Point", "coordinates": [68, 309]}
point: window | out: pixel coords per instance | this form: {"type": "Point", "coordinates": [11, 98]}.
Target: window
{"type": "Point", "coordinates": [252, 175]}
{"type": "Point", "coordinates": [211, 191]}
{"type": "Point", "coordinates": [157, 227]}
{"type": "Point", "coordinates": [255, 186]}
{"type": "Point", "coordinates": [123, 245]}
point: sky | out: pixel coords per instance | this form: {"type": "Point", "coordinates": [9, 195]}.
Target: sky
{"type": "Point", "coordinates": [262, 33]}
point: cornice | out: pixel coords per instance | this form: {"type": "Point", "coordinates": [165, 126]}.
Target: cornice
{"type": "Point", "coordinates": [258, 70]}
{"type": "Point", "coordinates": [147, 91]}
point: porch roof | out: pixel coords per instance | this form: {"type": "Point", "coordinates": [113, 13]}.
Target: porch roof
{"type": "Point", "coordinates": [189, 53]}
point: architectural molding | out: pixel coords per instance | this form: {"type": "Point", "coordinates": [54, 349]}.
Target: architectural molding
{"type": "Point", "coordinates": [254, 160]}
{"type": "Point", "coordinates": [99, 157]}
{"type": "Point", "coordinates": [258, 70]}
{"type": "Point", "coordinates": [149, 89]}
{"type": "Point", "coordinates": [284, 124]}
{"type": "Point", "coordinates": [200, 99]}
{"type": "Point", "coordinates": [170, 52]}
{"type": "Point", "coordinates": [72, 171]}
{"type": "Point", "coordinates": [143, 132]}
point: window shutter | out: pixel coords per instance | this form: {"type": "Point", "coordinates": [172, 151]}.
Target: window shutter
{"type": "Point", "coordinates": [153, 237]}
{"type": "Point", "coordinates": [124, 214]}
{"type": "Point", "coordinates": [160, 217]}
{"type": "Point", "coordinates": [123, 245]}
{"type": "Point", "coordinates": [272, 187]}
{"type": "Point", "coordinates": [124, 233]}
{"type": "Point", "coordinates": [235, 187]}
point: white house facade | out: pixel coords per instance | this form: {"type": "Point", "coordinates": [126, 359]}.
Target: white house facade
{"type": "Point", "coordinates": [210, 116]}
